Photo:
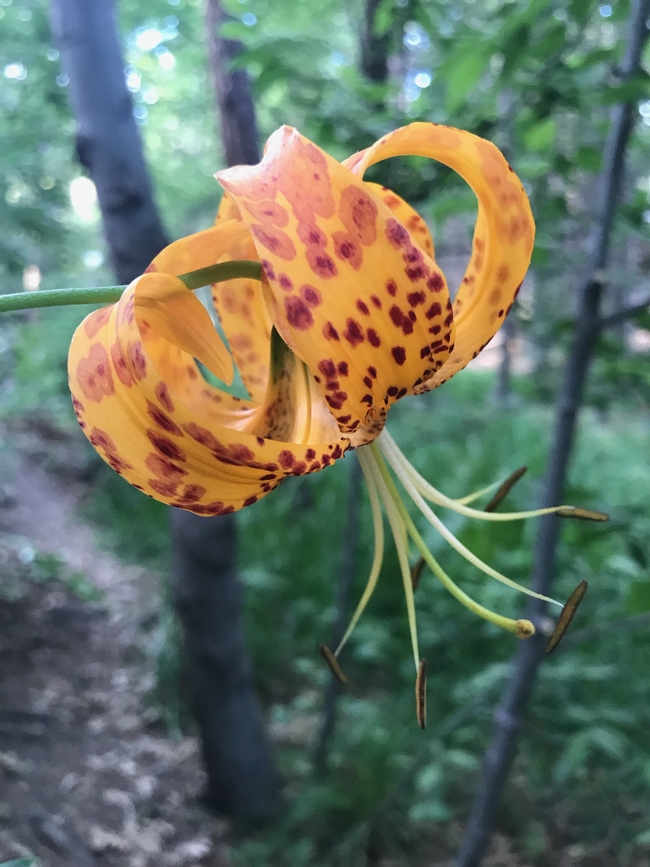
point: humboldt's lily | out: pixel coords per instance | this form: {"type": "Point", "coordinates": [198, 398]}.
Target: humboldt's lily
{"type": "Point", "coordinates": [352, 314]}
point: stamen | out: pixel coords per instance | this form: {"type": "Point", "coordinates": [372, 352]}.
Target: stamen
{"type": "Point", "coordinates": [581, 514]}
{"type": "Point", "coordinates": [416, 573]}
{"type": "Point", "coordinates": [521, 628]}
{"type": "Point", "coordinates": [333, 663]}
{"type": "Point", "coordinates": [396, 513]}
{"type": "Point", "coordinates": [396, 459]}
{"type": "Point", "coordinates": [401, 467]}
{"type": "Point", "coordinates": [421, 694]}
{"type": "Point", "coordinates": [378, 527]}
{"type": "Point", "coordinates": [505, 488]}
{"type": "Point", "coordinates": [566, 616]}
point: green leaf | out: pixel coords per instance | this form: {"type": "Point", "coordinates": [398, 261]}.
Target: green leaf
{"type": "Point", "coordinates": [383, 18]}
{"type": "Point", "coordinates": [541, 136]}
{"type": "Point", "coordinates": [635, 89]}
{"type": "Point", "coordinates": [638, 597]}
{"type": "Point", "coordinates": [462, 76]}
{"type": "Point", "coordinates": [588, 158]}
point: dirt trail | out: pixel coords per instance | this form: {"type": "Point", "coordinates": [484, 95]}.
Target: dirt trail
{"type": "Point", "coordinates": [87, 775]}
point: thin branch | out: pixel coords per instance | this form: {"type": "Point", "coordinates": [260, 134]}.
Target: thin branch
{"type": "Point", "coordinates": [509, 714]}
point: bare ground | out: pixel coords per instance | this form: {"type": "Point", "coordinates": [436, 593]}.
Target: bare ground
{"type": "Point", "coordinates": [87, 773]}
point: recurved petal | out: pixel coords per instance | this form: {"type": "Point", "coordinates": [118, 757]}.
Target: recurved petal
{"type": "Point", "coordinates": [243, 313]}
{"type": "Point", "coordinates": [141, 427]}
{"type": "Point", "coordinates": [407, 216]}
{"type": "Point", "coordinates": [503, 237]}
{"type": "Point", "coordinates": [352, 293]}
{"type": "Point", "coordinates": [165, 305]}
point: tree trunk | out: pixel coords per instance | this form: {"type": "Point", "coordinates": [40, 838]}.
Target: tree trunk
{"type": "Point", "coordinates": [374, 48]}
{"type": "Point", "coordinates": [238, 126]}
{"type": "Point", "coordinates": [241, 778]}
{"type": "Point", "coordinates": [509, 714]}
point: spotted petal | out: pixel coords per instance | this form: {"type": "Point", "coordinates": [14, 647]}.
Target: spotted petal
{"type": "Point", "coordinates": [141, 401]}
{"type": "Point", "coordinates": [350, 290]}
{"type": "Point", "coordinates": [503, 237]}
{"type": "Point", "coordinates": [243, 313]}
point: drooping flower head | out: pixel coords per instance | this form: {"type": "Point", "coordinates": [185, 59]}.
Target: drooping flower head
{"type": "Point", "coordinates": [352, 313]}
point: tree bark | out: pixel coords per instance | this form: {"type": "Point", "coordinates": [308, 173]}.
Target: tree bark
{"type": "Point", "coordinates": [241, 778]}
{"type": "Point", "coordinates": [509, 714]}
{"type": "Point", "coordinates": [238, 125]}
{"type": "Point", "coordinates": [374, 48]}
{"type": "Point", "coordinates": [108, 141]}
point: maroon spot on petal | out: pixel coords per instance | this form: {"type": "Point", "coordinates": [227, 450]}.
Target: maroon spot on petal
{"type": "Point", "coordinates": [435, 282]}
{"type": "Point", "coordinates": [268, 269]}
{"type": "Point", "coordinates": [192, 493]}
{"type": "Point", "coordinates": [94, 374]}
{"type": "Point", "coordinates": [434, 310]}
{"type": "Point", "coordinates": [343, 419]}
{"type": "Point", "coordinates": [416, 298]}
{"type": "Point", "coordinates": [311, 295]}
{"type": "Point", "coordinates": [396, 234]}
{"type": "Point", "coordinates": [165, 446]}
{"type": "Point", "coordinates": [372, 371]}
{"type": "Point", "coordinates": [415, 273]}
{"type": "Point", "coordinates": [96, 320]}
{"type": "Point", "coordinates": [329, 332]}
{"type": "Point", "coordinates": [298, 313]}
{"type": "Point", "coordinates": [137, 359]}
{"type": "Point", "coordinates": [353, 332]}
{"type": "Point", "coordinates": [275, 240]}
{"type": "Point", "coordinates": [376, 300]}
{"type": "Point", "coordinates": [362, 307]}
{"type": "Point", "coordinates": [342, 368]}
{"type": "Point", "coordinates": [310, 454]}
{"type": "Point", "coordinates": [392, 391]}
{"type": "Point", "coordinates": [337, 451]}
{"type": "Point", "coordinates": [373, 338]}
{"type": "Point", "coordinates": [399, 354]}
{"type": "Point", "coordinates": [268, 477]}
{"type": "Point", "coordinates": [286, 459]}
{"type": "Point", "coordinates": [321, 264]}
{"type": "Point", "coordinates": [358, 213]}
{"type": "Point", "coordinates": [162, 393]}
{"type": "Point", "coordinates": [367, 382]}
{"type": "Point", "coordinates": [285, 282]}
{"type": "Point", "coordinates": [367, 398]}
{"type": "Point", "coordinates": [250, 500]}
{"type": "Point", "coordinates": [327, 368]}
{"type": "Point", "coordinates": [391, 287]}
{"type": "Point", "coordinates": [425, 352]}
{"type": "Point", "coordinates": [435, 329]}
{"type": "Point", "coordinates": [163, 420]}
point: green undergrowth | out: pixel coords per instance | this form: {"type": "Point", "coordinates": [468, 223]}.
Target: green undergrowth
{"type": "Point", "coordinates": [584, 761]}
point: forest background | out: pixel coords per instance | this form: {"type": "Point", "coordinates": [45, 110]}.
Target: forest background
{"type": "Point", "coordinates": [540, 80]}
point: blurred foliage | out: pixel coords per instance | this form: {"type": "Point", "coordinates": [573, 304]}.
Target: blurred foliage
{"type": "Point", "coordinates": [538, 78]}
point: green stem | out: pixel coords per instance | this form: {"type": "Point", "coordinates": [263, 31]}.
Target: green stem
{"type": "Point", "coordinates": [237, 269]}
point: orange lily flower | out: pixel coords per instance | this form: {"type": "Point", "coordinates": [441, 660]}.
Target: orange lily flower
{"type": "Point", "coordinates": [352, 314]}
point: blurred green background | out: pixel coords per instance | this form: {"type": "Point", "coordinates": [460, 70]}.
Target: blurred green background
{"type": "Point", "coordinates": [537, 78]}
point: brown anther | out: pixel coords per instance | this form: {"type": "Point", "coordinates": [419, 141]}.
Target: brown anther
{"type": "Point", "coordinates": [421, 694]}
{"type": "Point", "coordinates": [566, 616]}
{"type": "Point", "coordinates": [333, 663]}
{"type": "Point", "coordinates": [581, 514]}
{"type": "Point", "coordinates": [525, 629]}
{"type": "Point", "coordinates": [509, 483]}
{"type": "Point", "coordinates": [416, 573]}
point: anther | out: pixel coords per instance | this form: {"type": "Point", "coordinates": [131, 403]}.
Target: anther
{"type": "Point", "coordinates": [505, 488]}
{"type": "Point", "coordinates": [421, 694]}
{"type": "Point", "coordinates": [581, 514]}
{"type": "Point", "coordinates": [525, 629]}
{"type": "Point", "coordinates": [566, 616]}
{"type": "Point", "coordinates": [416, 573]}
{"type": "Point", "coordinates": [333, 663]}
